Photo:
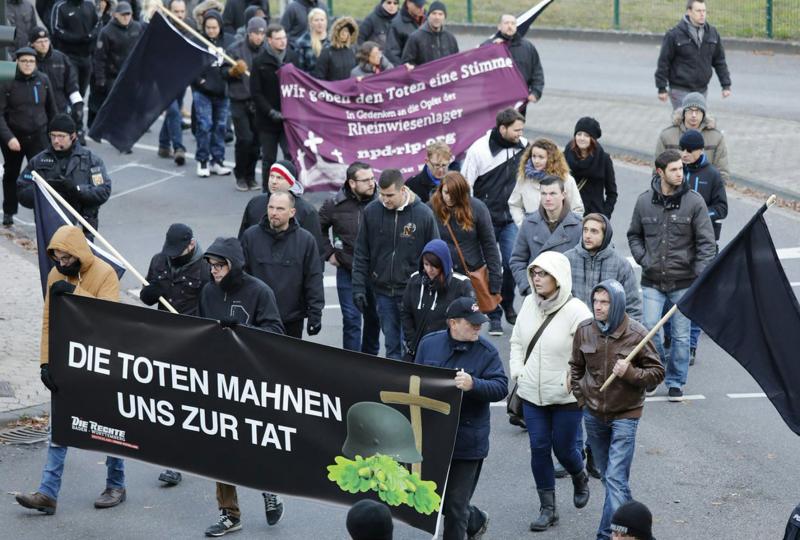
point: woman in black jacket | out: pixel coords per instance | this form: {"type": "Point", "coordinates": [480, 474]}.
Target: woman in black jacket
{"type": "Point", "coordinates": [336, 61]}
{"type": "Point", "coordinates": [471, 223]}
{"type": "Point", "coordinates": [428, 293]}
{"type": "Point", "coordinates": [210, 103]}
{"type": "Point", "coordinates": [592, 168]}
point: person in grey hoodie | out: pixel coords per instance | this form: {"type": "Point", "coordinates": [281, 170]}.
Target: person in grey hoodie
{"type": "Point", "coordinates": [594, 260]}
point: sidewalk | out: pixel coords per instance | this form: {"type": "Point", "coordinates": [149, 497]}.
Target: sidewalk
{"type": "Point", "coordinates": [20, 331]}
{"type": "Point", "coordinates": [759, 148]}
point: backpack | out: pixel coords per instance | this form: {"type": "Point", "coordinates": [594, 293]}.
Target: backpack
{"type": "Point", "coordinates": [793, 526]}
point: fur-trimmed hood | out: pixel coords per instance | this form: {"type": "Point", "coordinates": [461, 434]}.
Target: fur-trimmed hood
{"type": "Point", "coordinates": [340, 23]}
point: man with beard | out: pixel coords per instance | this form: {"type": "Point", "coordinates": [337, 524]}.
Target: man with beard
{"type": "Point", "coordinates": [342, 213]}
{"type": "Point", "coordinates": [430, 41]}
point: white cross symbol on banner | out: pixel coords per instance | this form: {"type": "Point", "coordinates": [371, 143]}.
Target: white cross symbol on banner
{"type": "Point", "coordinates": [312, 142]}
{"type": "Point", "coordinates": [336, 152]}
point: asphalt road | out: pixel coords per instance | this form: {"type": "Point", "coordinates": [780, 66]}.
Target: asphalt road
{"type": "Point", "coordinates": [713, 466]}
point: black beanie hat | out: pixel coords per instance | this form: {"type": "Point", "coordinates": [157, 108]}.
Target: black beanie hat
{"type": "Point", "coordinates": [691, 140]}
{"type": "Point", "coordinates": [370, 520]}
{"type": "Point", "coordinates": [438, 6]}
{"type": "Point", "coordinates": [62, 122]}
{"type": "Point", "coordinates": [38, 32]}
{"type": "Point", "coordinates": [633, 519]}
{"type": "Point", "coordinates": [589, 125]}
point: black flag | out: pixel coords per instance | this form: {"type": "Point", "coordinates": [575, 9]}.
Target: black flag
{"type": "Point", "coordinates": [745, 303]}
{"type": "Point", "coordinates": [525, 20]}
{"type": "Point", "coordinates": [158, 70]}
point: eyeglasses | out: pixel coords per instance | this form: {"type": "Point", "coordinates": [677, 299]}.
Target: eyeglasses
{"type": "Point", "coordinates": [438, 165]}
{"type": "Point", "coordinates": [539, 274]}
{"type": "Point", "coordinates": [31, 61]}
{"type": "Point", "coordinates": [65, 260]}
{"type": "Point", "coordinates": [391, 3]}
{"type": "Point", "coordinates": [694, 110]}
{"type": "Point", "coordinates": [364, 180]}
{"type": "Point", "coordinates": [218, 265]}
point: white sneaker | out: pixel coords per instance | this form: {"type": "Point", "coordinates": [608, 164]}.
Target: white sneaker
{"type": "Point", "coordinates": [202, 169]}
{"type": "Point", "coordinates": [219, 169]}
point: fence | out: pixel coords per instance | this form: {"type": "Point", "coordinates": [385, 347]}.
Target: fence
{"type": "Point", "coordinates": [778, 19]}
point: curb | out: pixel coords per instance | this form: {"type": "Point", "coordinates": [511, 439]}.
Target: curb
{"type": "Point", "coordinates": [751, 183]}
{"type": "Point", "coordinates": [8, 417]}
{"type": "Point", "coordinates": [733, 43]}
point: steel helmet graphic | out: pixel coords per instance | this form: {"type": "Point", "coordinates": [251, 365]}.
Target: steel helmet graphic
{"type": "Point", "coordinates": [375, 428]}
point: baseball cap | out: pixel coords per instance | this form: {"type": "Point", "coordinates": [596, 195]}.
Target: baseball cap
{"type": "Point", "coordinates": [178, 237]}
{"type": "Point", "coordinates": [466, 308]}
{"type": "Point", "coordinates": [123, 8]}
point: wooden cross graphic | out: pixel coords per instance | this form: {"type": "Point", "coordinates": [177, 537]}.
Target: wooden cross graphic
{"type": "Point", "coordinates": [415, 403]}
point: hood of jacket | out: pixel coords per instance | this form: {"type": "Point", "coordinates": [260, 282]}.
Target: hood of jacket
{"type": "Point", "coordinates": [340, 23]}
{"type": "Point", "coordinates": [557, 265]}
{"type": "Point", "coordinates": [70, 239]}
{"type": "Point", "coordinates": [606, 237]}
{"type": "Point", "coordinates": [200, 9]}
{"type": "Point", "coordinates": [440, 249]}
{"type": "Point", "coordinates": [670, 202]}
{"type": "Point", "coordinates": [217, 16]}
{"type": "Point", "coordinates": [231, 250]}
{"type": "Point", "coordinates": [382, 13]}
{"type": "Point", "coordinates": [616, 311]}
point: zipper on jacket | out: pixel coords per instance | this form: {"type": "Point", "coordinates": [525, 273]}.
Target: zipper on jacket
{"type": "Point", "coordinates": [605, 377]}
{"type": "Point", "coordinates": [394, 250]}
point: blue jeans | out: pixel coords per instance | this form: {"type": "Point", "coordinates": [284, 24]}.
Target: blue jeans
{"type": "Point", "coordinates": [506, 236]}
{"type": "Point", "coordinates": [352, 338]}
{"type": "Point", "coordinates": [171, 134]}
{"type": "Point", "coordinates": [389, 317]}
{"type": "Point", "coordinates": [212, 116]}
{"type": "Point", "coordinates": [677, 364]}
{"type": "Point", "coordinates": [612, 444]}
{"type": "Point", "coordinates": [694, 335]}
{"type": "Point", "coordinates": [552, 429]}
{"type": "Point", "coordinates": [54, 470]}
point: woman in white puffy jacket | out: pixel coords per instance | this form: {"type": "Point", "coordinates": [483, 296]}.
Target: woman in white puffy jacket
{"type": "Point", "coordinates": [542, 158]}
{"type": "Point", "coordinates": [551, 412]}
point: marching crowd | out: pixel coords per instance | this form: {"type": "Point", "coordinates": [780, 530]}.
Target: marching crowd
{"type": "Point", "coordinates": [426, 260]}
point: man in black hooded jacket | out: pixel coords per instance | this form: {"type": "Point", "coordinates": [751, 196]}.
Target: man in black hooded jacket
{"type": "Point", "coordinates": [406, 22]}
{"type": "Point", "coordinates": [375, 26]}
{"type": "Point", "coordinates": [286, 257]}
{"type": "Point", "coordinates": [524, 54]}
{"type": "Point", "coordinates": [430, 41]}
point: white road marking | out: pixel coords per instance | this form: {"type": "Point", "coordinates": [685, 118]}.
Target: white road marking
{"type": "Point", "coordinates": [693, 397]}
{"type": "Point", "coordinates": [145, 186]}
{"type": "Point", "coordinates": [333, 306]}
{"type": "Point", "coordinates": [329, 281]}
{"type": "Point", "coordinates": [189, 155]}
{"type": "Point", "coordinates": [747, 395]}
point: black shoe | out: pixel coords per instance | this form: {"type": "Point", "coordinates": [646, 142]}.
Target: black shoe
{"type": "Point", "coordinates": [8, 220]}
{"type": "Point", "coordinates": [273, 506]}
{"type": "Point", "coordinates": [517, 421]}
{"type": "Point", "coordinates": [548, 515]}
{"type": "Point", "coordinates": [241, 185]}
{"type": "Point", "coordinates": [477, 535]}
{"type": "Point", "coordinates": [675, 394]}
{"type": "Point", "coordinates": [580, 484]}
{"type": "Point", "coordinates": [511, 315]}
{"type": "Point", "coordinates": [495, 327]}
{"type": "Point", "coordinates": [224, 525]}
{"type": "Point", "coordinates": [252, 185]}
{"type": "Point", "coordinates": [667, 342]}
{"type": "Point", "coordinates": [590, 468]}
{"type": "Point", "coordinates": [692, 353]}
{"type": "Point", "coordinates": [560, 471]}
{"type": "Point", "coordinates": [171, 478]}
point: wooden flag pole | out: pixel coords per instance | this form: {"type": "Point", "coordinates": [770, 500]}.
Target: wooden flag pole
{"type": "Point", "coordinates": [770, 201]}
{"type": "Point", "coordinates": [198, 35]}
{"type": "Point", "coordinates": [42, 183]}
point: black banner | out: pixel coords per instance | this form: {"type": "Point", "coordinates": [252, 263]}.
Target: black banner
{"type": "Point", "coordinates": [252, 408]}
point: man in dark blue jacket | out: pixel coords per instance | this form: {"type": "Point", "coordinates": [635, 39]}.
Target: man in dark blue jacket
{"type": "Point", "coordinates": [391, 236]}
{"type": "Point", "coordinates": [483, 380]}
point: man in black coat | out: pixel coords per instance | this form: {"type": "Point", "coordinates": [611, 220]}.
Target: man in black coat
{"type": "Point", "coordinates": [688, 53]}
{"type": "Point", "coordinates": [60, 71]}
{"type": "Point", "coordinates": [375, 26]}
{"type": "Point", "coordinates": [26, 106]}
{"type": "Point", "coordinates": [431, 41]}
{"type": "Point", "coordinates": [114, 44]}
{"type": "Point", "coordinates": [406, 22]}
{"type": "Point", "coordinates": [285, 257]}
{"type": "Point", "coordinates": [524, 54]}
{"type": "Point", "coordinates": [265, 90]}
{"type": "Point", "coordinates": [342, 213]}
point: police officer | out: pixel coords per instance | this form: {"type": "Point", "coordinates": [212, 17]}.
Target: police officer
{"type": "Point", "coordinates": [26, 106]}
{"type": "Point", "coordinates": [60, 71]}
{"type": "Point", "coordinates": [75, 172]}
{"type": "Point", "coordinates": [114, 44]}
{"type": "Point", "coordinates": [177, 273]}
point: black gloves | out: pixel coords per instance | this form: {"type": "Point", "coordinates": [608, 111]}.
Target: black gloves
{"type": "Point", "coordinates": [150, 293]}
{"type": "Point", "coordinates": [360, 301]}
{"type": "Point", "coordinates": [61, 287]}
{"type": "Point", "coordinates": [77, 114]}
{"type": "Point", "coordinates": [228, 322]}
{"type": "Point", "coordinates": [313, 327]}
{"type": "Point", "coordinates": [275, 115]}
{"type": "Point", "coordinates": [47, 379]}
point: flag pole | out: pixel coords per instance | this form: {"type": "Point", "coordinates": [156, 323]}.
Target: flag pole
{"type": "Point", "coordinates": [770, 201]}
{"type": "Point", "coordinates": [198, 35]}
{"type": "Point", "coordinates": [42, 183]}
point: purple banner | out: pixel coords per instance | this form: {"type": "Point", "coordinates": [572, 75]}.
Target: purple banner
{"type": "Point", "coordinates": [387, 120]}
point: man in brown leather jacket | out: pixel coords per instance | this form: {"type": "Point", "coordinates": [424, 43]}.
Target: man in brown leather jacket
{"type": "Point", "coordinates": [611, 417]}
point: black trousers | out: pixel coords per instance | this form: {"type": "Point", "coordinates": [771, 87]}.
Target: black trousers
{"type": "Point", "coordinates": [270, 140]}
{"type": "Point", "coordinates": [84, 67]}
{"type": "Point", "coordinates": [30, 145]}
{"type": "Point", "coordinates": [460, 517]}
{"type": "Point", "coordinates": [246, 148]}
{"type": "Point", "coordinates": [294, 328]}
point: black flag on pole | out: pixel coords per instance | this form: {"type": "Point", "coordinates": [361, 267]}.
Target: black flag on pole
{"type": "Point", "coordinates": [745, 303]}
{"type": "Point", "coordinates": [158, 70]}
{"type": "Point", "coordinates": [525, 20]}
